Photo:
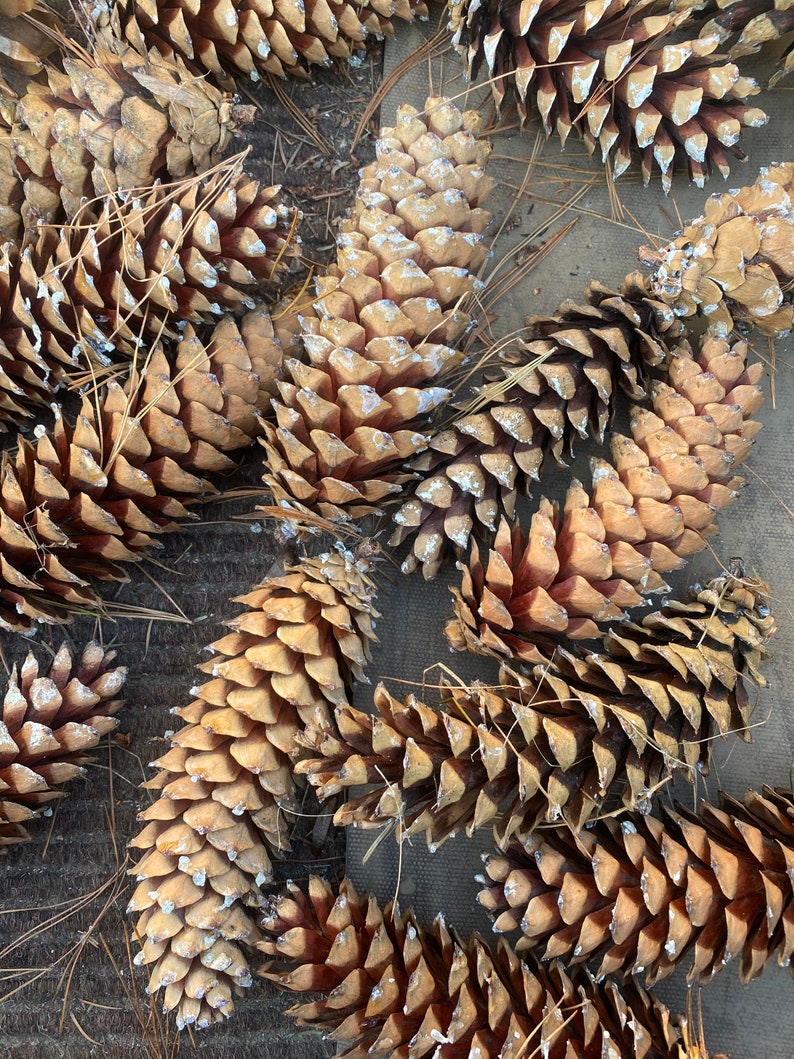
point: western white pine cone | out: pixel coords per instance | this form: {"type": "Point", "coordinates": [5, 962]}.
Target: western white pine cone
{"type": "Point", "coordinates": [227, 782]}
{"type": "Point", "coordinates": [237, 37]}
{"type": "Point", "coordinates": [617, 72]}
{"type": "Point", "coordinates": [557, 743]}
{"type": "Point", "coordinates": [113, 119]}
{"type": "Point", "coordinates": [48, 720]}
{"type": "Point", "coordinates": [735, 264]}
{"type": "Point", "coordinates": [391, 987]}
{"type": "Point", "coordinates": [582, 565]}
{"type": "Point", "coordinates": [177, 254]}
{"type": "Point", "coordinates": [644, 894]}
{"type": "Point", "coordinates": [83, 499]}
{"type": "Point", "coordinates": [388, 317]}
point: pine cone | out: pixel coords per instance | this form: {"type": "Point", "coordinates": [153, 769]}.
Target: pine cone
{"type": "Point", "coordinates": [48, 722]}
{"type": "Point", "coordinates": [394, 988]}
{"type": "Point", "coordinates": [581, 566]}
{"type": "Point", "coordinates": [616, 73]}
{"type": "Point", "coordinates": [388, 318]}
{"type": "Point", "coordinates": [88, 497]}
{"type": "Point", "coordinates": [24, 42]}
{"type": "Point", "coordinates": [556, 744]}
{"type": "Point", "coordinates": [225, 40]}
{"type": "Point", "coordinates": [472, 472]}
{"type": "Point", "coordinates": [113, 120]}
{"type": "Point", "coordinates": [644, 894]}
{"type": "Point", "coordinates": [756, 22]}
{"type": "Point", "coordinates": [735, 264]}
{"type": "Point", "coordinates": [11, 188]}
{"type": "Point", "coordinates": [228, 778]}
{"type": "Point", "coordinates": [147, 266]}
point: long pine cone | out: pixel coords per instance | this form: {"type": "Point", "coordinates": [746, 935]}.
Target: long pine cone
{"type": "Point", "coordinates": [648, 510]}
{"type": "Point", "coordinates": [644, 894]}
{"type": "Point", "coordinates": [50, 718]}
{"type": "Point", "coordinates": [472, 472]}
{"type": "Point", "coordinates": [387, 320]}
{"type": "Point", "coordinates": [82, 500]}
{"type": "Point", "coordinates": [112, 120]}
{"type": "Point", "coordinates": [561, 742]}
{"type": "Point", "coordinates": [95, 294]}
{"type": "Point", "coordinates": [735, 264]}
{"type": "Point", "coordinates": [239, 37]}
{"type": "Point", "coordinates": [391, 987]}
{"type": "Point", "coordinates": [227, 783]}
{"type": "Point", "coordinates": [614, 71]}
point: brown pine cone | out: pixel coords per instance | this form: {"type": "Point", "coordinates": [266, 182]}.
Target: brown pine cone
{"type": "Point", "coordinates": [11, 189]}
{"type": "Point", "coordinates": [85, 498]}
{"type": "Point", "coordinates": [48, 722]}
{"type": "Point", "coordinates": [618, 74]}
{"type": "Point", "coordinates": [580, 566]}
{"type": "Point", "coordinates": [387, 320]}
{"type": "Point", "coordinates": [735, 264]}
{"type": "Point", "coordinates": [25, 42]}
{"type": "Point", "coordinates": [394, 988]}
{"type": "Point", "coordinates": [472, 472]}
{"type": "Point", "coordinates": [113, 120]}
{"type": "Point", "coordinates": [227, 783]}
{"type": "Point", "coordinates": [92, 295]}
{"type": "Point", "coordinates": [644, 894]}
{"type": "Point", "coordinates": [751, 24]}
{"type": "Point", "coordinates": [241, 37]}
{"type": "Point", "coordinates": [559, 743]}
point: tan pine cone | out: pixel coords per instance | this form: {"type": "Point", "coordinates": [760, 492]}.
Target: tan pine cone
{"type": "Point", "coordinates": [26, 41]}
{"type": "Point", "coordinates": [11, 188]}
{"type": "Point", "coordinates": [49, 720]}
{"type": "Point", "coordinates": [236, 37]}
{"type": "Point", "coordinates": [391, 987]}
{"type": "Point", "coordinates": [472, 472]}
{"type": "Point", "coordinates": [644, 894]}
{"type": "Point", "coordinates": [113, 120]}
{"type": "Point", "coordinates": [183, 253]}
{"type": "Point", "coordinates": [618, 73]}
{"type": "Point", "coordinates": [388, 318]}
{"type": "Point", "coordinates": [227, 783]}
{"type": "Point", "coordinates": [654, 505]}
{"type": "Point", "coordinates": [561, 742]}
{"type": "Point", "coordinates": [735, 264]}
{"type": "Point", "coordinates": [751, 24]}
{"type": "Point", "coordinates": [84, 499]}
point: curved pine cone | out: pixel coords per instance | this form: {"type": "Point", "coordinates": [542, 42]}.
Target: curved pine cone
{"type": "Point", "coordinates": [735, 264]}
{"type": "Point", "coordinates": [393, 987]}
{"type": "Point", "coordinates": [387, 320]}
{"type": "Point", "coordinates": [645, 894]}
{"type": "Point", "coordinates": [615, 71]}
{"type": "Point", "coordinates": [112, 120]}
{"type": "Point", "coordinates": [471, 473]}
{"type": "Point", "coordinates": [84, 499]}
{"type": "Point", "coordinates": [48, 720]}
{"type": "Point", "coordinates": [243, 37]}
{"type": "Point", "coordinates": [556, 744]}
{"type": "Point", "coordinates": [145, 267]}
{"type": "Point", "coordinates": [580, 566]}
{"type": "Point", "coordinates": [227, 783]}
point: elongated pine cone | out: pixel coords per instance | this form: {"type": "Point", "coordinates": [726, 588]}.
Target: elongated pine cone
{"type": "Point", "coordinates": [388, 317]}
{"type": "Point", "coordinates": [558, 743]}
{"type": "Point", "coordinates": [735, 264]}
{"type": "Point", "coordinates": [751, 24]}
{"type": "Point", "coordinates": [149, 264]}
{"type": "Point", "coordinates": [86, 498]}
{"type": "Point", "coordinates": [49, 720]}
{"type": "Point", "coordinates": [113, 120]}
{"type": "Point", "coordinates": [394, 988]}
{"type": "Point", "coordinates": [615, 71]}
{"type": "Point", "coordinates": [472, 472]}
{"type": "Point", "coordinates": [649, 509]}
{"type": "Point", "coordinates": [227, 782]}
{"type": "Point", "coordinates": [240, 37]}
{"type": "Point", "coordinates": [645, 894]}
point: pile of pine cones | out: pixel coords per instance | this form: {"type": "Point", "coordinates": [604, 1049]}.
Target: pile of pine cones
{"type": "Point", "coordinates": [142, 266]}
